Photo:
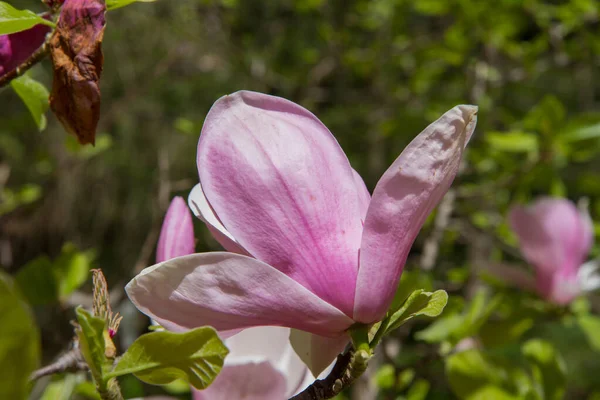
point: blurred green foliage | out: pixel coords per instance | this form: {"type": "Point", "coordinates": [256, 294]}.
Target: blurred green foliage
{"type": "Point", "coordinates": [376, 72]}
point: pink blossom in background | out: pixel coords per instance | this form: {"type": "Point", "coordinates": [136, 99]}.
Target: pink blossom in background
{"type": "Point", "coordinates": [308, 248]}
{"type": "Point", "coordinates": [17, 47]}
{"type": "Point", "coordinates": [177, 232]}
{"type": "Point", "coordinates": [555, 238]}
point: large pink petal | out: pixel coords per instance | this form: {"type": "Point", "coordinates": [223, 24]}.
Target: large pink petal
{"type": "Point", "coordinates": [283, 187]}
{"type": "Point", "coordinates": [177, 232]}
{"type": "Point", "coordinates": [229, 291]}
{"type": "Point", "coordinates": [553, 235]}
{"type": "Point", "coordinates": [403, 198]}
{"type": "Point", "coordinates": [251, 381]}
{"type": "Point", "coordinates": [317, 352]}
{"type": "Point", "coordinates": [201, 209]}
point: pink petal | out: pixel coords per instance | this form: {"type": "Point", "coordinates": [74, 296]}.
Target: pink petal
{"type": "Point", "coordinates": [252, 381]}
{"type": "Point", "coordinates": [553, 235]}
{"type": "Point", "coordinates": [201, 209]}
{"type": "Point", "coordinates": [17, 47]}
{"type": "Point", "coordinates": [317, 352]}
{"type": "Point", "coordinates": [283, 187]}
{"type": "Point", "coordinates": [177, 232]}
{"type": "Point", "coordinates": [403, 198]}
{"type": "Point", "coordinates": [229, 291]}
{"type": "Point", "coordinates": [364, 197]}
{"type": "Point", "coordinates": [272, 344]}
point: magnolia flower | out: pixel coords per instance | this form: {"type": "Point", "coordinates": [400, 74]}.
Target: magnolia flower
{"type": "Point", "coordinates": [308, 248]}
{"type": "Point", "coordinates": [555, 237]}
{"type": "Point", "coordinates": [261, 364]}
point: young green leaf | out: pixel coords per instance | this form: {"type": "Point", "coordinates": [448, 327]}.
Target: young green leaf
{"type": "Point", "coordinates": [418, 303]}
{"type": "Point", "coordinates": [13, 20]}
{"type": "Point", "coordinates": [161, 357]}
{"type": "Point", "coordinates": [19, 342]}
{"type": "Point", "coordinates": [37, 282]}
{"type": "Point", "coordinates": [91, 342]}
{"type": "Point", "coordinates": [113, 4]}
{"type": "Point", "coordinates": [473, 375]}
{"type": "Point", "coordinates": [35, 96]}
{"type": "Point", "coordinates": [547, 367]}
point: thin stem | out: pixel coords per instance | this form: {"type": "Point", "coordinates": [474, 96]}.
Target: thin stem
{"type": "Point", "coordinates": [348, 367]}
{"type": "Point", "coordinates": [34, 59]}
{"type": "Point", "coordinates": [68, 362]}
{"type": "Point", "coordinates": [110, 390]}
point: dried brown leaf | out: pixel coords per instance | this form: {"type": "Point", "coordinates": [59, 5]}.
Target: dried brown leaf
{"type": "Point", "coordinates": [76, 50]}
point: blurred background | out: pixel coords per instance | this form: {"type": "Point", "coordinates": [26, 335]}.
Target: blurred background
{"type": "Point", "coordinates": [376, 72]}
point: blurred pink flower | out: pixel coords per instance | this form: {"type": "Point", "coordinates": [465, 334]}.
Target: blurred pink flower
{"type": "Point", "coordinates": [308, 247]}
{"type": "Point", "coordinates": [555, 237]}
{"type": "Point", "coordinates": [177, 232]}
{"type": "Point", "coordinates": [17, 47]}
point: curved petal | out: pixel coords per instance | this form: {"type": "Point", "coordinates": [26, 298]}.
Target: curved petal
{"type": "Point", "coordinates": [268, 343]}
{"type": "Point", "coordinates": [403, 198]}
{"type": "Point", "coordinates": [283, 187]}
{"type": "Point", "coordinates": [251, 381]}
{"type": "Point", "coordinates": [317, 352]}
{"type": "Point", "coordinates": [553, 235]}
{"type": "Point", "coordinates": [203, 211]}
{"type": "Point", "coordinates": [229, 291]}
{"type": "Point", "coordinates": [177, 232]}
{"type": "Point", "coordinates": [364, 197]}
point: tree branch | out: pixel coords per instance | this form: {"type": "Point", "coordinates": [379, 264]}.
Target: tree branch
{"type": "Point", "coordinates": [71, 361]}
{"type": "Point", "coordinates": [348, 367]}
{"type": "Point", "coordinates": [35, 58]}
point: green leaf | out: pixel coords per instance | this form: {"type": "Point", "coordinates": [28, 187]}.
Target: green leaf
{"type": "Point", "coordinates": [473, 375]}
{"type": "Point", "coordinates": [19, 342]}
{"type": "Point", "coordinates": [418, 303]}
{"type": "Point", "coordinates": [385, 377]}
{"type": "Point", "coordinates": [37, 282]}
{"type": "Point", "coordinates": [548, 369]}
{"type": "Point", "coordinates": [72, 268]}
{"type": "Point", "coordinates": [441, 329]}
{"type": "Point", "coordinates": [114, 4]}
{"type": "Point", "coordinates": [35, 96]}
{"type": "Point", "coordinates": [590, 326]}
{"type": "Point", "coordinates": [513, 142]}
{"type": "Point", "coordinates": [418, 391]}
{"type": "Point", "coordinates": [91, 341]}
{"type": "Point", "coordinates": [61, 389]}
{"type": "Point", "coordinates": [161, 357]}
{"type": "Point", "coordinates": [409, 282]}
{"type": "Point", "coordinates": [13, 20]}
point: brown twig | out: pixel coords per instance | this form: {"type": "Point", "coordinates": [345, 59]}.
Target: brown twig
{"type": "Point", "coordinates": [325, 388]}
{"type": "Point", "coordinates": [71, 361]}
{"type": "Point", "coordinates": [35, 58]}
{"type": "Point", "coordinates": [349, 366]}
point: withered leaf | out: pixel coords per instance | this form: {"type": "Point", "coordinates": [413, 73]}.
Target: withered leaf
{"type": "Point", "coordinates": [76, 50]}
